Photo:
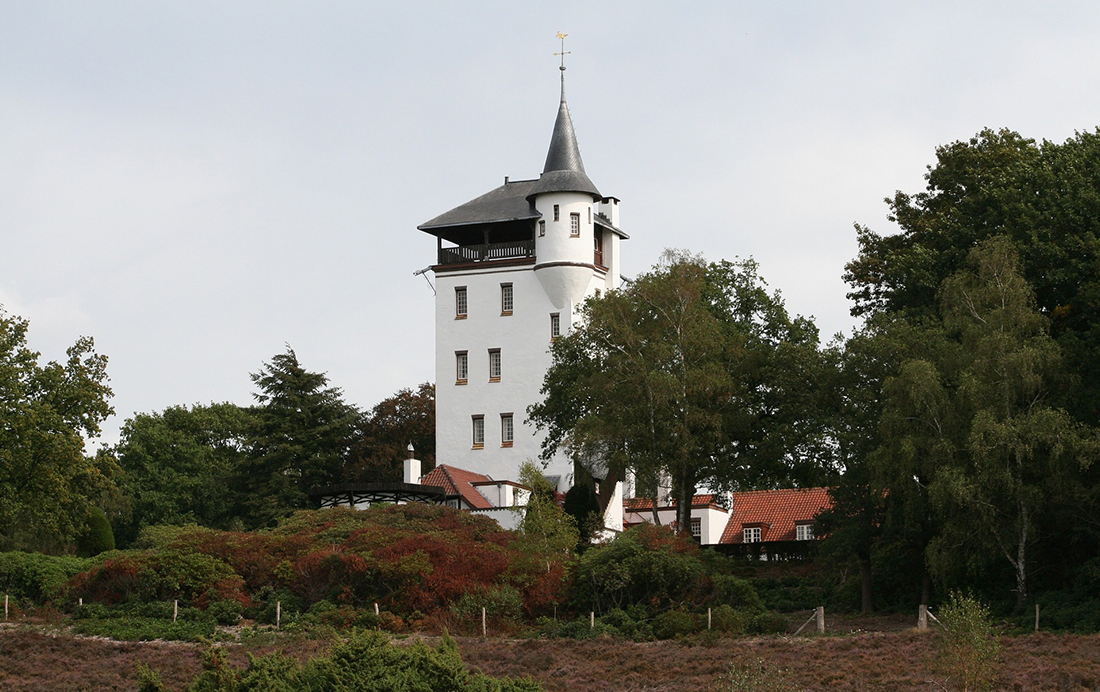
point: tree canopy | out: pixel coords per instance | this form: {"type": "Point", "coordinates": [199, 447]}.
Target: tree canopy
{"type": "Point", "coordinates": [47, 414]}
{"type": "Point", "coordinates": [692, 372]}
{"type": "Point", "coordinates": [301, 438]}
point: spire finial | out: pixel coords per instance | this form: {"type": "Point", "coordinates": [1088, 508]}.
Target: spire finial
{"type": "Point", "coordinates": [563, 53]}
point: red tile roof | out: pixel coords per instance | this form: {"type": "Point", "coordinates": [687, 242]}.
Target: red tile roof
{"type": "Point", "coordinates": [456, 481]}
{"type": "Point", "coordinates": [779, 510]}
{"type": "Point", "coordinates": [638, 504]}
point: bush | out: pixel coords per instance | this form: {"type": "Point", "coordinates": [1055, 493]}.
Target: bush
{"type": "Point", "coordinates": [736, 592]}
{"type": "Point", "coordinates": [366, 662]}
{"type": "Point", "coordinates": [768, 623]}
{"type": "Point", "coordinates": [635, 622]}
{"type": "Point", "coordinates": [97, 536]}
{"type": "Point", "coordinates": [672, 624]}
{"type": "Point", "coordinates": [968, 647]}
{"type": "Point", "coordinates": [729, 620]}
{"type": "Point", "coordinates": [37, 578]}
{"type": "Point", "coordinates": [501, 602]}
{"type": "Point", "coordinates": [645, 564]}
{"type": "Point", "coordinates": [142, 622]}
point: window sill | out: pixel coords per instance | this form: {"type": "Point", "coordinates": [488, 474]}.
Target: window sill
{"type": "Point", "coordinates": [505, 313]}
{"type": "Point", "coordinates": [478, 446]}
{"type": "Point", "coordinates": [458, 382]}
{"type": "Point", "coordinates": [494, 379]}
{"type": "Point", "coordinates": [460, 317]}
{"type": "Point", "coordinates": [505, 444]}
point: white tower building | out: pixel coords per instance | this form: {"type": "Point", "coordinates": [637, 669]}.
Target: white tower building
{"type": "Point", "coordinates": [513, 268]}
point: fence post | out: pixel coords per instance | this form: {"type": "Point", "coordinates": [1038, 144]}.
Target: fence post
{"type": "Point", "coordinates": [1036, 617]}
{"type": "Point", "coordinates": [278, 613]}
{"type": "Point", "coordinates": [80, 601]}
{"type": "Point", "coordinates": [708, 618]}
{"type": "Point", "coordinates": [592, 620]}
{"type": "Point", "coordinates": [483, 621]}
{"type": "Point", "coordinates": [5, 606]}
{"type": "Point", "coordinates": [175, 609]}
{"type": "Point", "coordinates": [821, 619]}
{"type": "Point", "coordinates": [922, 617]}
{"type": "Point", "coordinates": [376, 609]}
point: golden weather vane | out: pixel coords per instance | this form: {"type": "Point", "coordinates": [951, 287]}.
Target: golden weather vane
{"type": "Point", "coordinates": [563, 53]}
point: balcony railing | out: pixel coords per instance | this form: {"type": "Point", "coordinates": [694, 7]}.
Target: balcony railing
{"type": "Point", "coordinates": [487, 252]}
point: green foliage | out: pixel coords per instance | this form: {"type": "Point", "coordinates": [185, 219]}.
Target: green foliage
{"type": "Point", "coordinates": [968, 647]}
{"type": "Point", "coordinates": [645, 564]}
{"type": "Point", "coordinates": [47, 413]}
{"type": "Point", "coordinates": [499, 602]}
{"type": "Point", "coordinates": [690, 371]}
{"type": "Point", "coordinates": [37, 578]}
{"type": "Point", "coordinates": [729, 620]}
{"type": "Point", "coordinates": [672, 624]}
{"type": "Point", "coordinates": [302, 438]}
{"type": "Point", "coordinates": [97, 536]}
{"type": "Point", "coordinates": [143, 622]}
{"type": "Point", "coordinates": [736, 592]}
{"type": "Point", "coordinates": [756, 675]}
{"type": "Point", "coordinates": [548, 537]}
{"type": "Point", "coordinates": [178, 465]}
{"type": "Point", "coordinates": [365, 662]}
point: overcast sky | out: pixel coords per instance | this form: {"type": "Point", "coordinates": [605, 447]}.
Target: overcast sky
{"type": "Point", "coordinates": [195, 184]}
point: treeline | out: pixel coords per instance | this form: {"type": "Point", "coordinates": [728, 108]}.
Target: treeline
{"type": "Point", "coordinates": [218, 465]}
{"type": "Point", "coordinates": [957, 426]}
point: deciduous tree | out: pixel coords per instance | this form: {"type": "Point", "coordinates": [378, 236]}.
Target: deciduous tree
{"type": "Point", "coordinates": [693, 371]}
{"type": "Point", "coordinates": [47, 413]}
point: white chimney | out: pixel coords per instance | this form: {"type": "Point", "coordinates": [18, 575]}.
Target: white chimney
{"type": "Point", "coordinates": [412, 467]}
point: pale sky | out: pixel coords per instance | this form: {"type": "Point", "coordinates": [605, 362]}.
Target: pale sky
{"type": "Point", "coordinates": [195, 184]}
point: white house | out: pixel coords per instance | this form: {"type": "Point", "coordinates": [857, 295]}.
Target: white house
{"type": "Point", "coordinates": [513, 267]}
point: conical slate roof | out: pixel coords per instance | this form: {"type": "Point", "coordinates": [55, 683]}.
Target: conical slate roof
{"type": "Point", "coordinates": [564, 170]}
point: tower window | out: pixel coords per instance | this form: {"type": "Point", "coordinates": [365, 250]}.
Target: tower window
{"type": "Point", "coordinates": [462, 366]}
{"type": "Point", "coordinates": [506, 299]}
{"type": "Point", "coordinates": [574, 224]}
{"type": "Point", "coordinates": [494, 365]}
{"type": "Point", "coordinates": [590, 216]}
{"type": "Point", "coordinates": [479, 432]}
{"type": "Point", "coordinates": [542, 228]}
{"type": "Point", "coordinates": [555, 325]}
{"type": "Point", "coordinates": [696, 528]}
{"type": "Point", "coordinates": [460, 303]}
{"type": "Point", "coordinates": [507, 430]}
{"type": "Point", "coordinates": [557, 213]}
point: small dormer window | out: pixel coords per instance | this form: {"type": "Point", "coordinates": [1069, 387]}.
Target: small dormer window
{"type": "Point", "coordinates": [804, 532]}
{"type": "Point", "coordinates": [557, 213]}
{"type": "Point", "coordinates": [751, 534]}
{"type": "Point", "coordinates": [574, 224]}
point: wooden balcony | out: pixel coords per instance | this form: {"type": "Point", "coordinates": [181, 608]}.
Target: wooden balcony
{"type": "Point", "coordinates": [487, 252]}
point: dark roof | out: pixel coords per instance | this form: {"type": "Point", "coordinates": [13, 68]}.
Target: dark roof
{"type": "Point", "coordinates": [563, 172]}
{"type": "Point", "coordinates": [506, 203]}
{"type": "Point", "coordinates": [564, 169]}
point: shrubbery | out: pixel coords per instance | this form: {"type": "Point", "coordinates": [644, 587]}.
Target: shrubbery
{"type": "Point", "coordinates": [425, 566]}
{"type": "Point", "coordinates": [366, 662]}
{"type": "Point", "coordinates": [34, 578]}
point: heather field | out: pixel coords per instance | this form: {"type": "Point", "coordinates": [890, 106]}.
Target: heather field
{"type": "Point", "coordinates": [38, 658]}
